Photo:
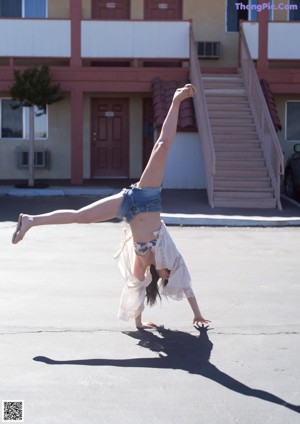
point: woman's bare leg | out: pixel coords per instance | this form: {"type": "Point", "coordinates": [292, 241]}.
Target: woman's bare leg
{"type": "Point", "coordinates": [154, 171]}
{"type": "Point", "coordinates": [102, 210]}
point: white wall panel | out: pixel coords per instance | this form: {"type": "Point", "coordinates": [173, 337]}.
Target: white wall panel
{"type": "Point", "coordinates": [251, 34]}
{"type": "Point", "coordinates": [283, 40]}
{"type": "Point", "coordinates": [35, 38]}
{"type": "Point", "coordinates": [132, 39]}
{"type": "Point", "coordinates": [185, 164]}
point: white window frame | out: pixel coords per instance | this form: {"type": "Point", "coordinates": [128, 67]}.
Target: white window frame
{"type": "Point", "coordinates": [286, 113]}
{"type": "Point", "coordinates": [25, 124]}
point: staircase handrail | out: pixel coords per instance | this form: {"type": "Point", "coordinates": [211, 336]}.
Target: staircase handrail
{"type": "Point", "coordinates": [203, 123]}
{"type": "Point", "coordinates": [268, 137]}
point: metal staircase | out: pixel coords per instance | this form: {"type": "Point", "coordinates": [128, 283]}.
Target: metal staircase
{"type": "Point", "coordinates": [242, 154]}
{"type": "Point", "coordinates": [241, 177]}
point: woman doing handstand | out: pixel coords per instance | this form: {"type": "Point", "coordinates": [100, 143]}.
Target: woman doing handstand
{"type": "Point", "coordinates": [148, 253]}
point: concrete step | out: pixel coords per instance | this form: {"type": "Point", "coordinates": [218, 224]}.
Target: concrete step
{"type": "Point", "coordinates": [221, 77]}
{"type": "Point", "coordinates": [235, 137]}
{"type": "Point", "coordinates": [220, 113]}
{"type": "Point", "coordinates": [223, 85]}
{"type": "Point", "coordinates": [227, 100]}
{"type": "Point", "coordinates": [225, 91]}
{"type": "Point", "coordinates": [253, 172]}
{"type": "Point", "coordinates": [238, 202]}
{"type": "Point", "coordinates": [238, 121]}
{"type": "Point", "coordinates": [249, 130]}
{"type": "Point", "coordinates": [247, 184]}
{"type": "Point", "coordinates": [225, 145]}
{"type": "Point", "coordinates": [240, 163]}
{"type": "Point", "coordinates": [238, 155]}
{"type": "Point", "coordinates": [243, 194]}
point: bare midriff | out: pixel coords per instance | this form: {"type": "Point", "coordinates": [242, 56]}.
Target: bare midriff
{"type": "Point", "coordinates": [144, 225]}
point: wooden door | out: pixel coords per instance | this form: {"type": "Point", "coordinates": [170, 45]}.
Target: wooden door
{"type": "Point", "coordinates": [110, 10]}
{"type": "Point", "coordinates": [148, 129]}
{"type": "Point", "coordinates": [163, 10]}
{"type": "Point", "coordinates": [109, 138]}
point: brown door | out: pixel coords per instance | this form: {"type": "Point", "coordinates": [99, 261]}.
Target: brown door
{"type": "Point", "coordinates": [163, 10]}
{"type": "Point", "coordinates": [148, 129]}
{"type": "Point", "coordinates": [110, 10]}
{"type": "Point", "coordinates": [109, 138]}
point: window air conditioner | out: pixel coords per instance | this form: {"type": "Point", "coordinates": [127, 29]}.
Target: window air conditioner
{"type": "Point", "coordinates": [41, 159]}
{"type": "Point", "coordinates": [209, 49]}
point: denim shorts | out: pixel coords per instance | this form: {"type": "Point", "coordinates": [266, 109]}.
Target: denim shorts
{"type": "Point", "coordinates": [138, 200]}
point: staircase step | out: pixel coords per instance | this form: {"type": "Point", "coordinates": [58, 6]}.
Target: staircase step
{"type": "Point", "coordinates": [225, 91]}
{"type": "Point", "coordinates": [241, 173]}
{"type": "Point", "coordinates": [219, 99]}
{"type": "Point", "coordinates": [232, 145]}
{"type": "Point", "coordinates": [228, 114]}
{"type": "Point", "coordinates": [236, 202]}
{"type": "Point", "coordinates": [223, 85]}
{"type": "Point", "coordinates": [238, 155]}
{"type": "Point", "coordinates": [222, 77]}
{"type": "Point", "coordinates": [249, 130]}
{"type": "Point", "coordinates": [236, 122]}
{"type": "Point", "coordinates": [235, 137]}
{"type": "Point", "coordinates": [243, 194]}
{"type": "Point", "coordinates": [261, 185]}
{"type": "Point", "coordinates": [240, 163]}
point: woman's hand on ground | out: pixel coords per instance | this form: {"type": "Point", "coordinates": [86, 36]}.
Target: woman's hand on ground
{"type": "Point", "coordinates": [146, 325]}
{"type": "Point", "coordinates": [200, 320]}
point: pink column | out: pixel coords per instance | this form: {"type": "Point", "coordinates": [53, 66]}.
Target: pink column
{"type": "Point", "coordinates": [75, 16]}
{"type": "Point", "coordinates": [263, 18]}
{"type": "Point", "coordinates": [76, 136]}
{"type": "Point", "coordinates": [76, 96]}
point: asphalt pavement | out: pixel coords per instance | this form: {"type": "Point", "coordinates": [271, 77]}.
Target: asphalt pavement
{"type": "Point", "coordinates": [66, 355]}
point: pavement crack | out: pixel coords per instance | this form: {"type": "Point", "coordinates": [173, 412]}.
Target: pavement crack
{"type": "Point", "coordinates": [58, 331]}
{"type": "Point", "coordinates": [278, 333]}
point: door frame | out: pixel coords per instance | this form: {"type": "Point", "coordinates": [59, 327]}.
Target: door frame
{"type": "Point", "coordinates": [180, 9]}
{"type": "Point", "coordinates": [93, 6]}
{"type": "Point", "coordinates": [94, 101]}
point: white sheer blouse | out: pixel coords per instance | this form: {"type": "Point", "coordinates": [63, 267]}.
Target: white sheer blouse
{"type": "Point", "coordinates": [166, 257]}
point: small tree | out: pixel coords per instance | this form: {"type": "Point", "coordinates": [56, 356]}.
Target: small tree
{"type": "Point", "coordinates": [32, 87]}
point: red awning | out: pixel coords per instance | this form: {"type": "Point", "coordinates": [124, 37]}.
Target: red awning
{"type": "Point", "coordinates": [162, 94]}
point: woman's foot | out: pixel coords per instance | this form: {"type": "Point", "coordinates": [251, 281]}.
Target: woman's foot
{"type": "Point", "coordinates": [185, 92]}
{"type": "Point", "coordinates": [23, 226]}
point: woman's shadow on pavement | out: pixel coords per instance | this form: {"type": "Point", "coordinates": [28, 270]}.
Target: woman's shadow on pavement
{"type": "Point", "coordinates": [178, 350]}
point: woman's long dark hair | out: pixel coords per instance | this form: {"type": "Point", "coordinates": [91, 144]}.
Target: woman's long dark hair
{"type": "Point", "coordinates": [152, 290]}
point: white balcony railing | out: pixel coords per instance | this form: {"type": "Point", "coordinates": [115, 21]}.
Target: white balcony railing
{"type": "Point", "coordinates": [35, 38]}
{"type": "Point", "coordinates": [283, 40]}
{"type": "Point", "coordinates": [99, 39]}
{"type": "Point", "coordinates": [135, 39]}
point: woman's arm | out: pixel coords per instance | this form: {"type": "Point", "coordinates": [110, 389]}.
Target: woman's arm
{"type": "Point", "coordinates": [197, 314]}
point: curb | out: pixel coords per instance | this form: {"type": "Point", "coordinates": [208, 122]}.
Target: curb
{"type": "Point", "coordinates": [228, 221]}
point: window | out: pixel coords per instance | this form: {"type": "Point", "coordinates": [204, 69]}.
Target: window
{"type": "Point", "coordinates": [23, 8]}
{"type": "Point", "coordinates": [294, 10]}
{"type": "Point", "coordinates": [245, 10]}
{"type": "Point", "coordinates": [15, 122]}
{"type": "Point", "coordinates": [292, 121]}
